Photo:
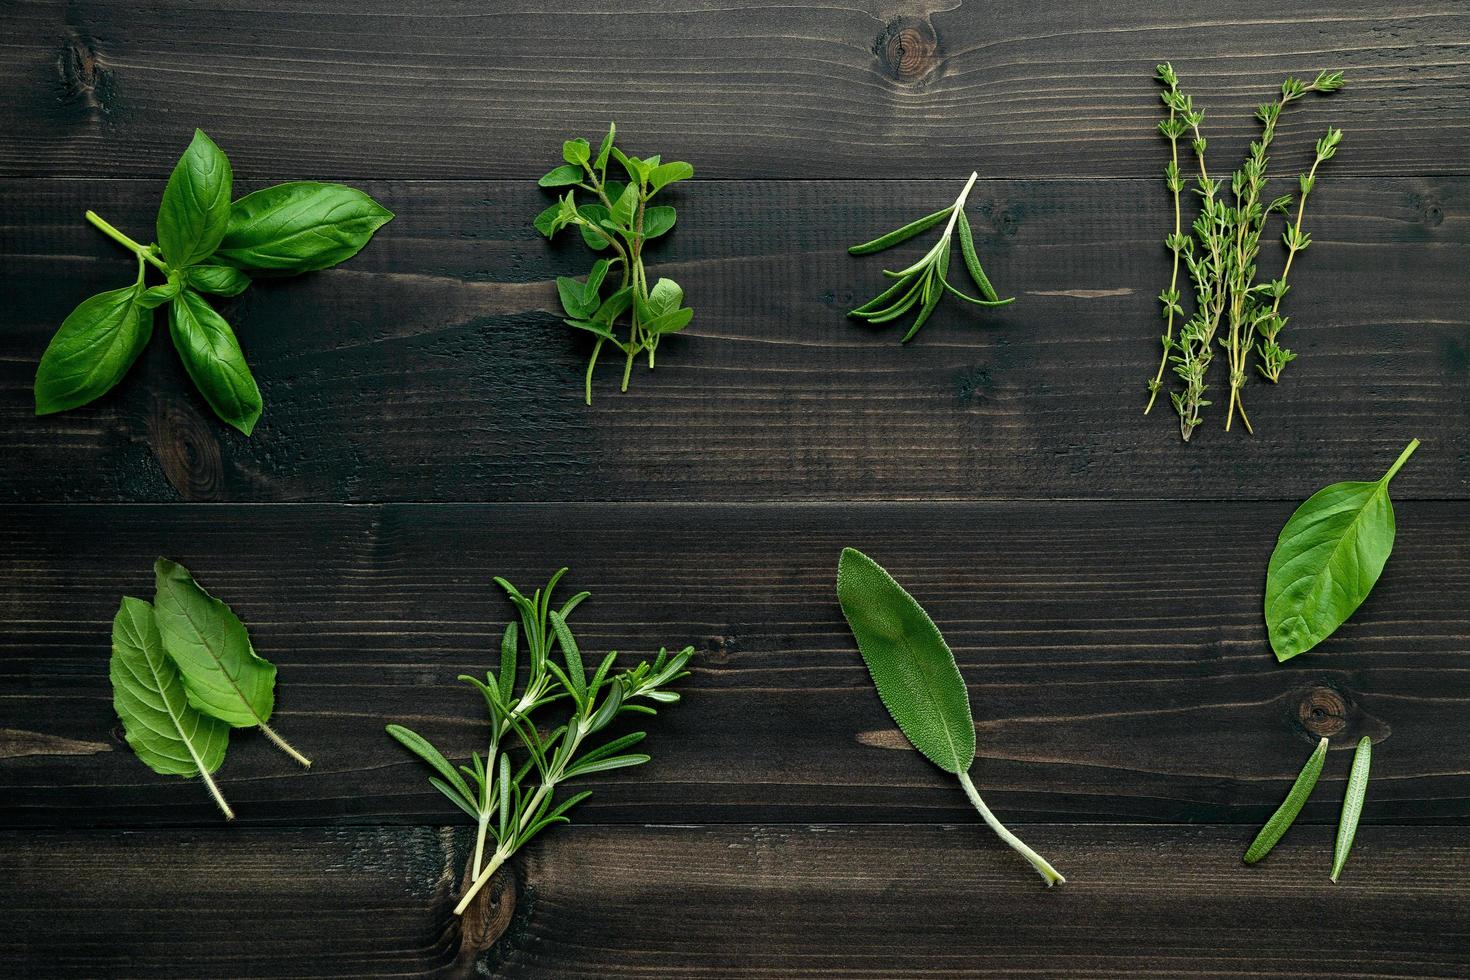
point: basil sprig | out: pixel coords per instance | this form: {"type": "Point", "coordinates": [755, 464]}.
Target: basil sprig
{"type": "Point", "coordinates": [205, 245]}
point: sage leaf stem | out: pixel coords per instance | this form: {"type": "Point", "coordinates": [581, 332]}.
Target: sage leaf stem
{"type": "Point", "coordinates": [1352, 805]}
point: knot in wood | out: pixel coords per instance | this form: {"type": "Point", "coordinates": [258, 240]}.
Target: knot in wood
{"type": "Point", "coordinates": [1323, 711]}
{"type": "Point", "coordinates": [908, 50]}
{"type": "Point", "coordinates": [187, 451]}
{"type": "Point", "coordinates": [489, 914]}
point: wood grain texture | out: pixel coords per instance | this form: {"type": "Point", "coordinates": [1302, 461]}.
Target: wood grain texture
{"type": "Point", "coordinates": [1113, 676]}
{"type": "Point", "coordinates": [430, 367]}
{"type": "Point", "coordinates": [745, 89]}
{"type": "Point", "coordinates": [754, 901]}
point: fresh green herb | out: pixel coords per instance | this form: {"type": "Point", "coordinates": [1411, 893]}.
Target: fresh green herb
{"type": "Point", "coordinates": [918, 680]}
{"type": "Point", "coordinates": [161, 727]}
{"type": "Point", "coordinates": [1327, 559]}
{"type": "Point", "coordinates": [1290, 807]}
{"type": "Point", "coordinates": [183, 674]}
{"type": "Point", "coordinates": [1222, 253]}
{"type": "Point", "coordinates": [617, 218]}
{"type": "Point", "coordinates": [1352, 805]}
{"type": "Point", "coordinates": [513, 801]}
{"type": "Point", "coordinates": [223, 675]}
{"type": "Point", "coordinates": [922, 284]}
{"type": "Point", "coordinates": [205, 245]}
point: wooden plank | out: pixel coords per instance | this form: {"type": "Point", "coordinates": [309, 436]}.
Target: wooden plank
{"type": "Point", "coordinates": [754, 901]}
{"type": "Point", "coordinates": [430, 366]}
{"type": "Point", "coordinates": [743, 89]}
{"type": "Point", "coordinates": [1116, 656]}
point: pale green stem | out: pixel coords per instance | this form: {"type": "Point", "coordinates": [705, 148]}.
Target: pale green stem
{"type": "Point", "coordinates": [283, 745]}
{"type": "Point", "coordinates": [1403, 458]}
{"type": "Point", "coordinates": [143, 251]}
{"type": "Point", "coordinates": [1037, 861]}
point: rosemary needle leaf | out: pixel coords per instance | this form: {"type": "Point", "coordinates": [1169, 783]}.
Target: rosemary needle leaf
{"type": "Point", "coordinates": [901, 234]}
{"type": "Point", "coordinates": [1352, 805]}
{"type": "Point", "coordinates": [972, 261]}
{"type": "Point", "coordinates": [1290, 807]}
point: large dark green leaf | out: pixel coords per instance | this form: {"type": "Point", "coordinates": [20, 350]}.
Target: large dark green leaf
{"type": "Point", "coordinates": [911, 665]}
{"type": "Point", "coordinates": [223, 676]}
{"type": "Point", "coordinates": [1326, 561]}
{"type": "Point", "coordinates": [213, 358]}
{"type": "Point", "coordinates": [300, 226]}
{"type": "Point", "coordinates": [196, 203]}
{"type": "Point", "coordinates": [92, 351]}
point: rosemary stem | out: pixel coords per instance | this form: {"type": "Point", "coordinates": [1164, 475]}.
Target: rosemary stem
{"type": "Point", "coordinates": [143, 251]}
{"type": "Point", "coordinates": [1038, 862]}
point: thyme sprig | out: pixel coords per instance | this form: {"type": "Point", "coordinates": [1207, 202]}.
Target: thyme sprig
{"type": "Point", "coordinates": [513, 800]}
{"type": "Point", "coordinates": [927, 280]}
{"type": "Point", "coordinates": [1222, 252]}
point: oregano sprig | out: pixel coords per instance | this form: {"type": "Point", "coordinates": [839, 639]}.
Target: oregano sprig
{"type": "Point", "coordinates": [511, 800]}
{"type": "Point", "coordinates": [925, 282]}
{"type": "Point", "coordinates": [205, 245]}
{"type": "Point", "coordinates": [619, 219]}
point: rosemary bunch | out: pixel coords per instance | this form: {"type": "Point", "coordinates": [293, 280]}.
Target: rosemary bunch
{"type": "Point", "coordinates": [1222, 252]}
{"type": "Point", "coordinates": [511, 801]}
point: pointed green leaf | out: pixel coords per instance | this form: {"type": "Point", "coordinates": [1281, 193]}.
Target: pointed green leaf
{"type": "Point", "coordinates": [222, 280]}
{"type": "Point", "coordinates": [223, 676]}
{"type": "Point", "coordinates": [1352, 805]}
{"type": "Point", "coordinates": [422, 748]}
{"type": "Point", "coordinates": [562, 176]}
{"type": "Point", "coordinates": [901, 234]}
{"type": "Point", "coordinates": [214, 361]}
{"type": "Point", "coordinates": [95, 346]}
{"type": "Point", "coordinates": [195, 210]}
{"type": "Point", "coordinates": [657, 221]}
{"type": "Point", "coordinates": [666, 173]}
{"type": "Point", "coordinates": [910, 663]}
{"type": "Point", "coordinates": [300, 227]}
{"type": "Point", "coordinates": [1327, 559]}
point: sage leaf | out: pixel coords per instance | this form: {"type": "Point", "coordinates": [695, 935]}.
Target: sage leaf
{"type": "Point", "coordinates": [1327, 559]}
{"type": "Point", "coordinates": [96, 345]}
{"type": "Point", "coordinates": [1352, 805]}
{"type": "Point", "coordinates": [195, 209]}
{"type": "Point", "coordinates": [213, 359]}
{"type": "Point", "coordinates": [300, 227]}
{"type": "Point", "coordinates": [223, 676]}
{"type": "Point", "coordinates": [222, 280]}
{"type": "Point", "coordinates": [918, 680]}
{"type": "Point", "coordinates": [169, 736]}
{"type": "Point", "coordinates": [1290, 807]}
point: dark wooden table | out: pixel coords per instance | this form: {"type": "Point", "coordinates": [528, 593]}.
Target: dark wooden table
{"type": "Point", "coordinates": [1100, 581]}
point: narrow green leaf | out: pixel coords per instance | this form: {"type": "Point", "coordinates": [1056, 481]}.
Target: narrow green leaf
{"type": "Point", "coordinates": [624, 207]}
{"type": "Point", "coordinates": [300, 227]}
{"type": "Point", "coordinates": [92, 351]}
{"type": "Point", "coordinates": [1352, 805]}
{"type": "Point", "coordinates": [602, 151]}
{"type": "Point", "coordinates": [1327, 559]}
{"type": "Point", "coordinates": [972, 260]}
{"type": "Point", "coordinates": [573, 657]}
{"type": "Point", "coordinates": [453, 796]}
{"type": "Point", "coordinates": [603, 765]}
{"type": "Point", "coordinates": [195, 209]}
{"type": "Point", "coordinates": [422, 748]}
{"type": "Point", "coordinates": [213, 359]}
{"type": "Point", "coordinates": [911, 665]}
{"type": "Point", "coordinates": [168, 735]}
{"type": "Point", "coordinates": [508, 654]}
{"type": "Point", "coordinates": [1290, 807]}
{"type": "Point", "coordinates": [901, 234]}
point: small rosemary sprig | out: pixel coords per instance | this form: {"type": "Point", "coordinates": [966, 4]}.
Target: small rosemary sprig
{"type": "Point", "coordinates": [512, 802]}
{"type": "Point", "coordinates": [923, 283]}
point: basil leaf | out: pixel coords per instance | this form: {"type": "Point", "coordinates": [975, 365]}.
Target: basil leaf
{"type": "Point", "coordinates": [196, 203]}
{"type": "Point", "coordinates": [155, 296]}
{"type": "Point", "coordinates": [912, 667]}
{"type": "Point", "coordinates": [92, 350]}
{"type": "Point", "coordinates": [223, 676]}
{"type": "Point", "coordinates": [162, 729]}
{"type": "Point", "coordinates": [657, 221]}
{"type": "Point", "coordinates": [222, 280]}
{"type": "Point", "coordinates": [664, 174]}
{"type": "Point", "coordinates": [562, 176]}
{"type": "Point", "coordinates": [1327, 559]}
{"type": "Point", "coordinates": [300, 227]}
{"type": "Point", "coordinates": [213, 358]}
